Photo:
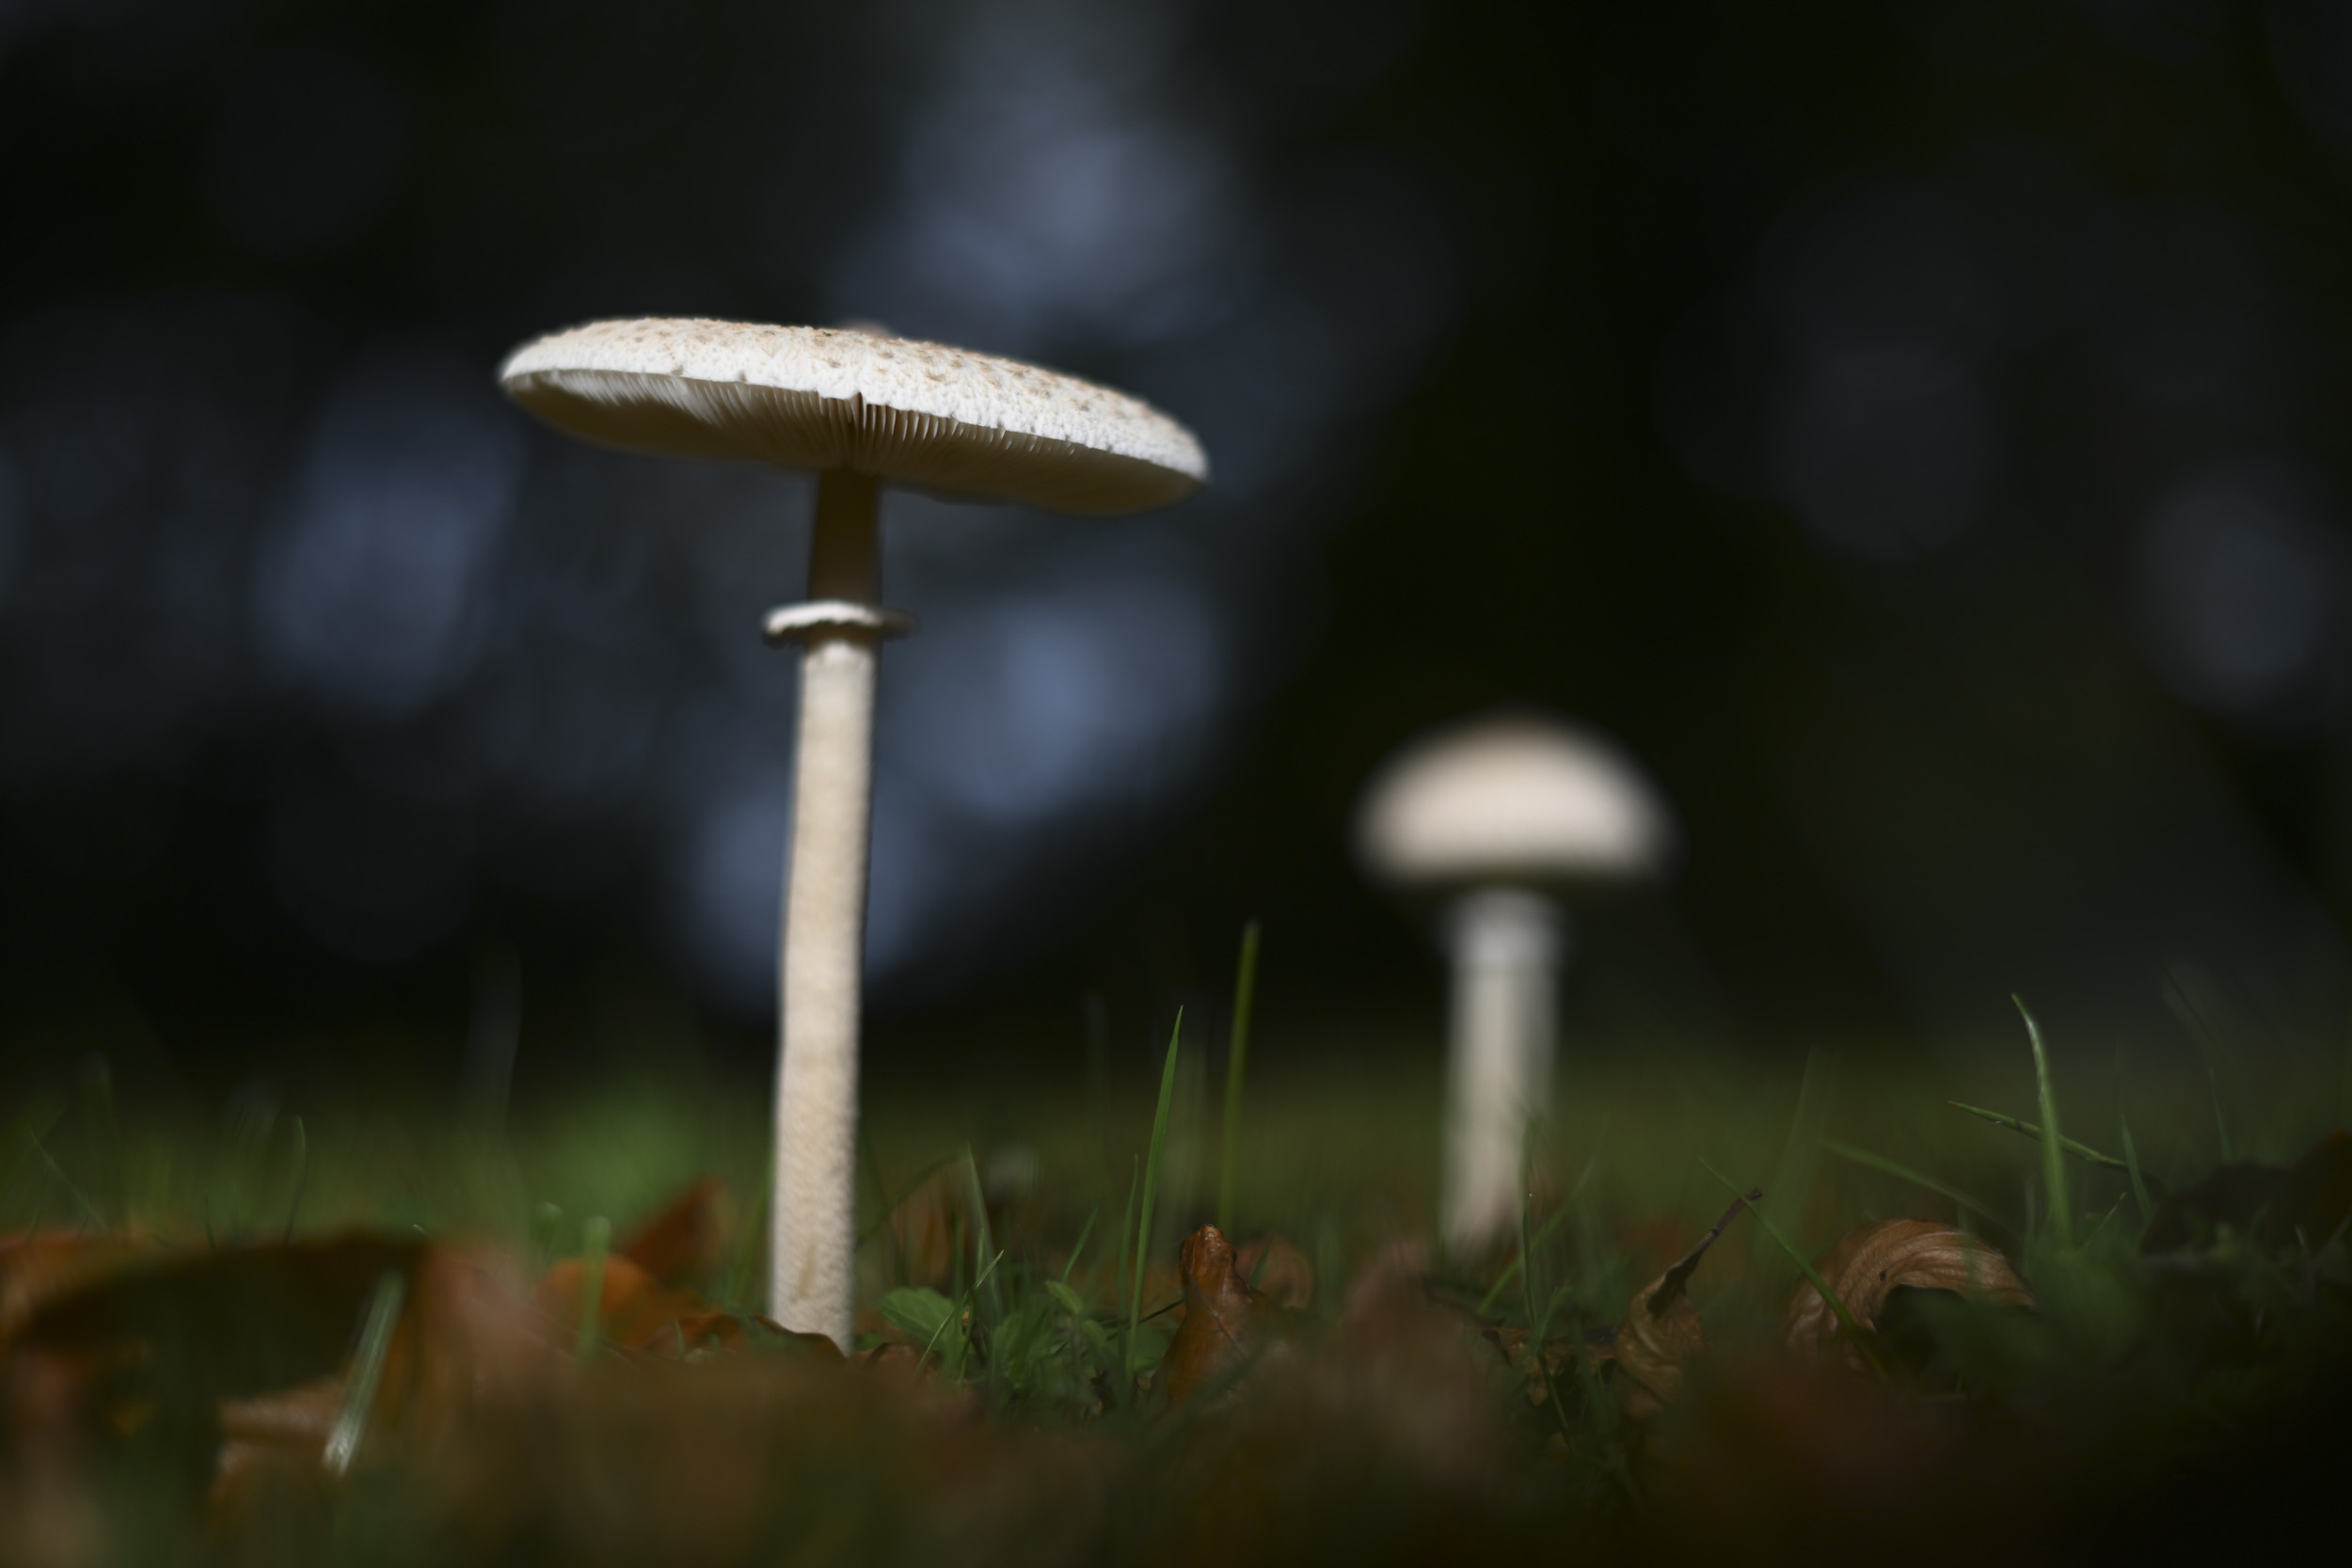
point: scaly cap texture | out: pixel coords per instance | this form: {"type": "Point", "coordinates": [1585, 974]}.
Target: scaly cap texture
{"type": "Point", "coordinates": [807, 397]}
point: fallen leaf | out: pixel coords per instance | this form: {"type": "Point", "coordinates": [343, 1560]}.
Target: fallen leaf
{"type": "Point", "coordinates": [2265, 1202]}
{"type": "Point", "coordinates": [1275, 1266]}
{"type": "Point", "coordinates": [38, 1269]}
{"type": "Point", "coordinates": [265, 1438]}
{"type": "Point", "coordinates": [641, 1314]}
{"type": "Point", "coordinates": [1221, 1316]}
{"type": "Point", "coordinates": [1512, 1343]}
{"type": "Point", "coordinates": [632, 1305]}
{"type": "Point", "coordinates": [924, 1227]}
{"type": "Point", "coordinates": [894, 1358]}
{"type": "Point", "coordinates": [163, 1354]}
{"type": "Point", "coordinates": [1661, 1334]}
{"type": "Point", "coordinates": [467, 1339]}
{"type": "Point", "coordinates": [1869, 1265]}
{"type": "Point", "coordinates": [1394, 1278]}
{"type": "Point", "coordinates": [685, 1242]}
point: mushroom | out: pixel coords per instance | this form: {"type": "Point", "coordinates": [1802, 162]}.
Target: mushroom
{"type": "Point", "coordinates": [860, 410]}
{"type": "Point", "coordinates": [1501, 821]}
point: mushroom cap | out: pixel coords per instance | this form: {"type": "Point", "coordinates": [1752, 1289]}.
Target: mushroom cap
{"type": "Point", "coordinates": [1513, 799]}
{"type": "Point", "coordinates": [813, 397]}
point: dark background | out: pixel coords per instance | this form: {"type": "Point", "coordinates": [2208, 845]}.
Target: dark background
{"type": "Point", "coordinates": [1915, 430]}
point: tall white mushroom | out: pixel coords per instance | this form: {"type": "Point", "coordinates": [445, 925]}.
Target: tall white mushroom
{"type": "Point", "coordinates": [860, 410]}
{"type": "Point", "coordinates": [1499, 821]}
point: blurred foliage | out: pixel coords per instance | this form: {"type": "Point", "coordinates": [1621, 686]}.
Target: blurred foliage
{"type": "Point", "coordinates": [1396, 1407]}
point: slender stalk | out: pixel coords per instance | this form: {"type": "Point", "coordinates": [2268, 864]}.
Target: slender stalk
{"type": "Point", "coordinates": [2053, 1144]}
{"type": "Point", "coordinates": [301, 1178]}
{"type": "Point", "coordinates": [1125, 1387]}
{"type": "Point", "coordinates": [1151, 1188]}
{"type": "Point", "coordinates": [1881, 1162]}
{"type": "Point", "coordinates": [105, 1135]}
{"type": "Point", "coordinates": [2220, 1125]}
{"type": "Point", "coordinates": [813, 1218]}
{"type": "Point", "coordinates": [367, 1373]}
{"type": "Point", "coordinates": [1539, 1323]}
{"type": "Point", "coordinates": [1507, 948]}
{"type": "Point", "coordinates": [2080, 1151]}
{"type": "Point", "coordinates": [596, 1243]}
{"type": "Point", "coordinates": [1084, 1232]}
{"type": "Point", "coordinates": [1236, 1065]}
{"type": "Point", "coordinates": [1862, 1338]}
{"type": "Point", "coordinates": [1559, 1217]}
{"type": "Point", "coordinates": [984, 1237]}
{"type": "Point", "coordinates": [2140, 1185]}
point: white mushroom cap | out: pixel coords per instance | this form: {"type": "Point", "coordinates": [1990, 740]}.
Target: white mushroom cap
{"type": "Point", "coordinates": [810, 397]}
{"type": "Point", "coordinates": [1512, 798]}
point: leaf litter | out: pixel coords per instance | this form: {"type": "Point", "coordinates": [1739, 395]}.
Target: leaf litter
{"type": "Point", "coordinates": [703, 1433]}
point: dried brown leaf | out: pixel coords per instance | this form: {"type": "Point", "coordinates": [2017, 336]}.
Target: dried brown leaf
{"type": "Point", "coordinates": [1867, 1265]}
{"type": "Point", "coordinates": [2271, 1204]}
{"type": "Point", "coordinates": [641, 1314]}
{"type": "Point", "coordinates": [923, 1227]}
{"type": "Point", "coordinates": [264, 1438]}
{"type": "Point", "coordinates": [193, 1328]}
{"type": "Point", "coordinates": [1661, 1334]}
{"type": "Point", "coordinates": [1221, 1320]}
{"type": "Point", "coordinates": [1393, 1280]}
{"type": "Point", "coordinates": [685, 1241]}
{"type": "Point", "coordinates": [1275, 1266]}
{"type": "Point", "coordinates": [38, 1269]}
{"type": "Point", "coordinates": [1515, 1345]}
{"type": "Point", "coordinates": [467, 1339]}
{"type": "Point", "coordinates": [633, 1306]}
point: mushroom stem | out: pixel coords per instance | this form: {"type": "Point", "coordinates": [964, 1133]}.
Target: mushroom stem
{"type": "Point", "coordinates": [1507, 948]}
{"type": "Point", "coordinates": [812, 1218]}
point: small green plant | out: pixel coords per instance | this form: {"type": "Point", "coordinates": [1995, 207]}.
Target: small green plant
{"type": "Point", "coordinates": [1237, 1067]}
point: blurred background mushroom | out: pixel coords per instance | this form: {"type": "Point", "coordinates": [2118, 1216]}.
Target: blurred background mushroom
{"type": "Point", "coordinates": [1496, 824]}
{"type": "Point", "coordinates": [1910, 428]}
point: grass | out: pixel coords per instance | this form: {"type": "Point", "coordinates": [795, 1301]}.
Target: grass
{"type": "Point", "coordinates": [1050, 1330]}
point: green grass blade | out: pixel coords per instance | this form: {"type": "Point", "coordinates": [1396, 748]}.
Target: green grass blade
{"type": "Point", "coordinates": [749, 1247]}
{"type": "Point", "coordinates": [1918, 1179]}
{"type": "Point", "coordinates": [954, 1314]}
{"type": "Point", "coordinates": [1150, 1186]}
{"type": "Point", "coordinates": [870, 1160]}
{"type": "Point", "coordinates": [1538, 1321]}
{"type": "Point", "coordinates": [2220, 1126]}
{"type": "Point", "coordinates": [890, 1205]}
{"type": "Point", "coordinates": [1084, 1232]}
{"type": "Point", "coordinates": [1126, 1244]}
{"type": "Point", "coordinates": [34, 1125]}
{"type": "Point", "coordinates": [596, 1241]}
{"type": "Point", "coordinates": [90, 1213]}
{"type": "Point", "coordinates": [1559, 1217]}
{"type": "Point", "coordinates": [2053, 1143]}
{"type": "Point", "coordinates": [2131, 1162]}
{"type": "Point", "coordinates": [983, 1239]}
{"type": "Point", "coordinates": [2101, 1228]}
{"type": "Point", "coordinates": [105, 1138]}
{"type": "Point", "coordinates": [301, 1178]}
{"type": "Point", "coordinates": [367, 1373]}
{"type": "Point", "coordinates": [1236, 1065]}
{"type": "Point", "coordinates": [1805, 1264]}
{"type": "Point", "coordinates": [545, 1229]}
{"type": "Point", "coordinates": [1095, 1014]}
{"type": "Point", "coordinates": [1535, 1325]}
{"type": "Point", "coordinates": [1791, 1185]}
{"type": "Point", "coordinates": [2031, 1129]}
